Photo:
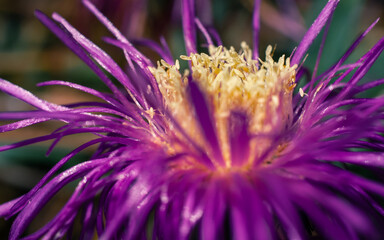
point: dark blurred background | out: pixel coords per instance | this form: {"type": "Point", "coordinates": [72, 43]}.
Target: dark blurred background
{"type": "Point", "coordinates": [29, 54]}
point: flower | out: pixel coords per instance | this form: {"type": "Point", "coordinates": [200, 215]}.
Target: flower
{"type": "Point", "coordinates": [225, 149]}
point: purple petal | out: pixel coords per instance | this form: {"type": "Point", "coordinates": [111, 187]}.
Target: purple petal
{"type": "Point", "coordinates": [360, 158]}
{"type": "Point", "coordinates": [4, 207]}
{"type": "Point", "coordinates": [369, 60]}
{"type": "Point", "coordinates": [204, 32]}
{"type": "Point", "coordinates": [280, 200]}
{"type": "Point", "coordinates": [308, 200]}
{"type": "Point", "coordinates": [166, 48]}
{"type": "Point", "coordinates": [122, 39]}
{"type": "Point", "coordinates": [214, 211]}
{"type": "Point", "coordinates": [23, 201]}
{"type": "Point", "coordinates": [205, 119]}
{"type": "Point", "coordinates": [98, 94]}
{"type": "Point", "coordinates": [212, 31]}
{"type": "Point", "coordinates": [256, 28]}
{"type": "Point", "coordinates": [313, 31]}
{"type": "Point", "coordinates": [74, 46]}
{"type": "Point", "coordinates": [100, 56]}
{"type": "Point", "coordinates": [28, 97]}
{"type": "Point", "coordinates": [21, 124]}
{"type": "Point", "coordinates": [349, 51]}
{"type": "Point", "coordinates": [163, 53]}
{"type": "Point", "coordinates": [239, 138]}
{"type": "Point", "coordinates": [188, 13]}
{"type": "Point", "coordinates": [369, 85]}
{"type": "Point", "coordinates": [142, 64]}
{"type": "Point", "coordinates": [248, 211]}
{"type": "Point", "coordinates": [325, 34]}
{"type": "Point", "coordinates": [41, 197]}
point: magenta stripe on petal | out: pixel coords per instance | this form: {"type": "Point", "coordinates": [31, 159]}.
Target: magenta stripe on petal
{"type": "Point", "coordinates": [205, 119]}
{"type": "Point", "coordinates": [239, 138]}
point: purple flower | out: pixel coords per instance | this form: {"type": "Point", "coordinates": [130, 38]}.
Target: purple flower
{"type": "Point", "coordinates": [224, 150]}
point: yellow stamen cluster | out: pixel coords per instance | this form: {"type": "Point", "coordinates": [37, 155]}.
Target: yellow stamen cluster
{"type": "Point", "coordinates": [232, 81]}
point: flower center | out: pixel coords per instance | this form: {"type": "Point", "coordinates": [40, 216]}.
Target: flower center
{"type": "Point", "coordinates": [231, 81]}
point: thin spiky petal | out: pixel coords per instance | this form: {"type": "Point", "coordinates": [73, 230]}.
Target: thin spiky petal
{"type": "Point", "coordinates": [256, 28]}
{"type": "Point", "coordinates": [314, 30]}
{"type": "Point", "coordinates": [188, 11]}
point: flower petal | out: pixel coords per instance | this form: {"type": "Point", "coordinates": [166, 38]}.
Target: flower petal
{"type": "Point", "coordinates": [313, 31]}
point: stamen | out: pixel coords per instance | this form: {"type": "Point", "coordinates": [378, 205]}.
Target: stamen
{"type": "Point", "coordinates": [232, 81]}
